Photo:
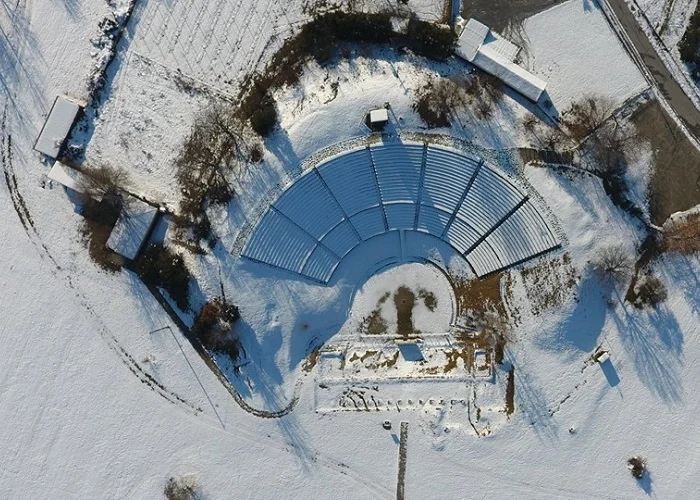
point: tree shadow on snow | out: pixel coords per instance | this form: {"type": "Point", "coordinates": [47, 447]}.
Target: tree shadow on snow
{"type": "Point", "coordinates": [533, 403]}
{"type": "Point", "coordinates": [684, 276]}
{"type": "Point", "coordinates": [280, 145]}
{"type": "Point", "coordinates": [645, 482]}
{"type": "Point", "coordinates": [656, 349]}
{"type": "Point", "coordinates": [581, 329]}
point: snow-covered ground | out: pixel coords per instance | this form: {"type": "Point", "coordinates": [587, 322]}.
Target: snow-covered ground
{"type": "Point", "coordinates": [572, 48]}
{"type": "Point", "coordinates": [101, 397]}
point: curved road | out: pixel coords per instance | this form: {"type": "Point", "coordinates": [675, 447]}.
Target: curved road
{"type": "Point", "coordinates": [671, 90]}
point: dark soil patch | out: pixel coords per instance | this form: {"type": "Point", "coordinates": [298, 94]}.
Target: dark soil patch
{"type": "Point", "coordinates": [675, 183]}
{"type": "Point", "coordinates": [404, 300]}
{"type": "Point", "coordinates": [428, 299]}
{"type": "Point", "coordinates": [510, 392]}
{"type": "Point", "coordinates": [499, 14]}
{"type": "Point", "coordinates": [479, 295]}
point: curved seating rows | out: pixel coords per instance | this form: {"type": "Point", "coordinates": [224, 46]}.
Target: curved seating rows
{"type": "Point", "coordinates": [483, 214]}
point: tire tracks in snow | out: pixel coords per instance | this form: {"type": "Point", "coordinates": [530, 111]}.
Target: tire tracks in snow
{"type": "Point", "coordinates": [6, 157]}
{"type": "Point", "coordinates": [25, 218]}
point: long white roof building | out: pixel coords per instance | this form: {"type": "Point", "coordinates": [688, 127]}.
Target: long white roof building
{"type": "Point", "coordinates": [57, 126]}
{"type": "Point", "coordinates": [495, 55]}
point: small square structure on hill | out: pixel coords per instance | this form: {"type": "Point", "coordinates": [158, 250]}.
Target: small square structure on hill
{"type": "Point", "coordinates": [378, 117]}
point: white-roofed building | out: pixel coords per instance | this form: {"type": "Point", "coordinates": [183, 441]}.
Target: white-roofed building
{"type": "Point", "coordinates": [133, 227]}
{"type": "Point", "coordinates": [57, 126]}
{"type": "Point", "coordinates": [494, 54]}
{"type": "Point", "coordinates": [60, 173]}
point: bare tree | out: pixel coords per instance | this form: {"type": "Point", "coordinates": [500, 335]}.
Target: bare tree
{"type": "Point", "coordinates": [494, 327]}
{"type": "Point", "coordinates": [216, 146]}
{"type": "Point", "coordinates": [587, 114]}
{"type": "Point", "coordinates": [104, 182]}
{"type": "Point", "coordinates": [613, 264]}
{"type": "Point", "coordinates": [612, 147]}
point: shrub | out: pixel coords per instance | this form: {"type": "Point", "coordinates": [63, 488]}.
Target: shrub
{"type": "Point", "coordinates": [256, 154]}
{"type": "Point", "coordinates": [159, 266]}
{"type": "Point", "coordinates": [637, 466]}
{"type": "Point", "coordinates": [181, 488]}
{"type": "Point", "coordinates": [264, 118]}
{"type": "Point", "coordinates": [430, 40]}
{"type": "Point", "coordinates": [213, 326]}
{"type": "Point", "coordinates": [649, 291]}
{"type": "Point", "coordinates": [100, 217]}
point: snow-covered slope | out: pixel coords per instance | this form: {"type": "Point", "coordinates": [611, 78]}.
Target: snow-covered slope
{"type": "Point", "coordinates": [101, 397]}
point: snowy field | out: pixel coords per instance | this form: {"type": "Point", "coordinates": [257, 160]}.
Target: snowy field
{"type": "Point", "coordinates": [595, 61]}
{"type": "Point", "coordinates": [101, 397]}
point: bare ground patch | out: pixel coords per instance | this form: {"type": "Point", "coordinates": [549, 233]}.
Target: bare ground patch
{"type": "Point", "coordinates": [500, 14]}
{"type": "Point", "coordinates": [479, 295]}
{"type": "Point", "coordinates": [549, 283]}
{"type": "Point", "coordinates": [675, 183]}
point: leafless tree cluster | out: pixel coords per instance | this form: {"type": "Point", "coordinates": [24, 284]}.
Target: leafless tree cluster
{"type": "Point", "coordinates": [104, 182]}
{"type": "Point", "coordinates": [612, 146]}
{"type": "Point", "coordinates": [487, 90]}
{"type": "Point", "coordinates": [584, 116]}
{"type": "Point", "coordinates": [218, 145]}
{"type": "Point", "coordinates": [212, 149]}
{"type": "Point", "coordinates": [545, 136]}
{"type": "Point", "coordinates": [613, 264]}
{"type": "Point", "coordinates": [437, 100]}
{"type": "Point", "coordinates": [102, 186]}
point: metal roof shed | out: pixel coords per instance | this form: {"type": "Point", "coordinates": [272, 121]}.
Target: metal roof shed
{"type": "Point", "coordinates": [56, 127]}
{"type": "Point", "coordinates": [494, 54]}
{"type": "Point", "coordinates": [510, 73]}
{"type": "Point", "coordinates": [132, 228]}
{"type": "Point", "coordinates": [471, 39]}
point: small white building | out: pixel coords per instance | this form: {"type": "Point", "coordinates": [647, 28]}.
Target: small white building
{"type": "Point", "coordinates": [133, 227]}
{"type": "Point", "coordinates": [56, 127]}
{"type": "Point", "coordinates": [378, 118]}
{"type": "Point", "coordinates": [495, 55]}
{"type": "Point", "coordinates": [60, 173]}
